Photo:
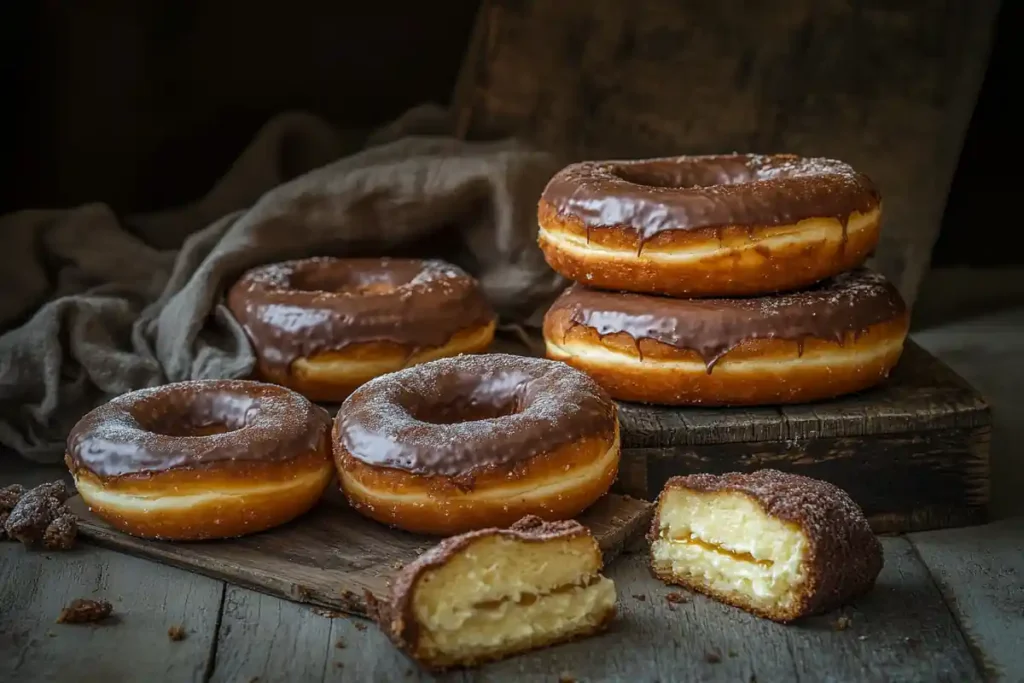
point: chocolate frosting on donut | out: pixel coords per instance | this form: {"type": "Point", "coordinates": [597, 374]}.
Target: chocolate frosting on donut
{"type": "Point", "coordinates": [692, 192]}
{"type": "Point", "coordinates": [300, 308]}
{"type": "Point", "coordinates": [850, 302]}
{"type": "Point", "coordinates": [195, 424]}
{"type": "Point", "coordinates": [458, 415]}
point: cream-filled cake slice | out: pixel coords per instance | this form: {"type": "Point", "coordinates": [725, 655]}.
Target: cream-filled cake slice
{"type": "Point", "coordinates": [489, 594]}
{"type": "Point", "coordinates": [779, 545]}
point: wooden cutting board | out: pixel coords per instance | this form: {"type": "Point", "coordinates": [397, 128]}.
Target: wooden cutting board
{"type": "Point", "coordinates": [331, 556]}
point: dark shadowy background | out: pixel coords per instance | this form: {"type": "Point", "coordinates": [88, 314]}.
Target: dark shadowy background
{"type": "Point", "coordinates": [144, 105]}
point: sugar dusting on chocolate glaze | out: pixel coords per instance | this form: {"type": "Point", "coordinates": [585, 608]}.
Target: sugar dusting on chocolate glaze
{"type": "Point", "coordinates": [194, 424]}
{"type": "Point", "coordinates": [458, 415]}
{"type": "Point", "coordinates": [652, 196]}
{"type": "Point", "coordinates": [298, 309]}
{"type": "Point", "coordinates": [848, 303]}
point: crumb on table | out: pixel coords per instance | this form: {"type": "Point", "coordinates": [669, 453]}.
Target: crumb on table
{"type": "Point", "coordinates": [176, 632]}
{"type": "Point", "coordinates": [84, 611]}
{"type": "Point", "coordinates": [677, 598]}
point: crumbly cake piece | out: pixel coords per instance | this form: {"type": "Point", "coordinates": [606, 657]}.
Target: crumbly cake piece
{"type": "Point", "coordinates": [779, 545]}
{"type": "Point", "coordinates": [490, 594]}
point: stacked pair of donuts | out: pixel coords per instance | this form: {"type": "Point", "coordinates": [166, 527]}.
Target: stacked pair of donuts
{"type": "Point", "coordinates": [720, 280]}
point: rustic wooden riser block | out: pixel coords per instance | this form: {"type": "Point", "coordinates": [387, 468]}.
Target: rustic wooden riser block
{"type": "Point", "coordinates": [914, 452]}
{"type": "Point", "coordinates": [332, 556]}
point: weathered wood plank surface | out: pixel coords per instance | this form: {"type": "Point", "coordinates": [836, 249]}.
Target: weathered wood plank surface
{"type": "Point", "coordinates": [902, 631]}
{"type": "Point", "coordinates": [987, 350]}
{"type": "Point", "coordinates": [332, 555]}
{"type": "Point", "coordinates": [132, 646]}
{"type": "Point", "coordinates": [889, 87]}
{"type": "Point", "coordinates": [980, 572]}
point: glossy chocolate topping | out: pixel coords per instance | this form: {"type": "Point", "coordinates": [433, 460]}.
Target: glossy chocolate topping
{"type": "Point", "coordinates": [297, 309]}
{"type": "Point", "coordinates": [691, 192]}
{"type": "Point", "coordinates": [458, 415]}
{"type": "Point", "coordinates": [194, 424]}
{"type": "Point", "coordinates": [848, 303]}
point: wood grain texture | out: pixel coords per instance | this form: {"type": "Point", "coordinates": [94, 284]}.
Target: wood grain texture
{"type": "Point", "coordinates": [132, 645]}
{"type": "Point", "coordinates": [903, 482]}
{"type": "Point", "coordinates": [888, 87]}
{"type": "Point", "coordinates": [332, 555]}
{"type": "Point", "coordinates": [268, 639]}
{"type": "Point", "coordinates": [902, 631]}
{"type": "Point", "coordinates": [980, 572]}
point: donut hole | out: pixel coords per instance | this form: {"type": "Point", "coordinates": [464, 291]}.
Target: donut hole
{"type": "Point", "coordinates": [467, 410]}
{"type": "Point", "coordinates": [354, 281]}
{"type": "Point", "coordinates": [474, 399]}
{"type": "Point", "coordinates": [685, 174]}
{"type": "Point", "coordinates": [201, 415]}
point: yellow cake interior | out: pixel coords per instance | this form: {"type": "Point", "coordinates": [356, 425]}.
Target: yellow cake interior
{"type": "Point", "coordinates": [500, 596]}
{"type": "Point", "coordinates": [725, 544]}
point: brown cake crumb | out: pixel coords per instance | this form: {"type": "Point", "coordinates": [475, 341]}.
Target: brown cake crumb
{"type": "Point", "coordinates": [640, 597]}
{"type": "Point", "coordinates": [360, 626]}
{"type": "Point", "coordinates": [176, 633]}
{"type": "Point", "coordinates": [712, 658]}
{"type": "Point", "coordinates": [40, 517]}
{"type": "Point", "coordinates": [85, 611]}
{"type": "Point", "coordinates": [328, 613]}
{"type": "Point", "coordinates": [9, 497]}
{"type": "Point", "coordinates": [566, 677]}
{"type": "Point", "coordinates": [842, 623]}
{"type": "Point", "coordinates": [677, 598]}
{"type": "Point", "coordinates": [340, 644]}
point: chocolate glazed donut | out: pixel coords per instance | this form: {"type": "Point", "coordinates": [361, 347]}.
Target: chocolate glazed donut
{"type": "Point", "coordinates": [840, 336]}
{"type": "Point", "coordinates": [202, 459]}
{"type": "Point", "coordinates": [476, 441]}
{"type": "Point", "coordinates": [696, 226]}
{"type": "Point", "coordinates": [323, 326]}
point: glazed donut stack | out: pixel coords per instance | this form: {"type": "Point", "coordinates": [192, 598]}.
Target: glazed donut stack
{"type": "Point", "coordinates": [720, 280]}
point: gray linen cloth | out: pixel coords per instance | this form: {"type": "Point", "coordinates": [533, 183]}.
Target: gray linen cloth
{"type": "Point", "coordinates": [93, 305]}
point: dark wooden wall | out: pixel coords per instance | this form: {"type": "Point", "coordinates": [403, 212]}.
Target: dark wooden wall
{"type": "Point", "coordinates": [143, 105]}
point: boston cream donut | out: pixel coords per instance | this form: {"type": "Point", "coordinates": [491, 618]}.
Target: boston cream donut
{"type": "Point", "coordinates": [840, 336]}
{"type": "Point", "coordinates": [708, 225]}
{"type": "Point", "coordinates": [476, 441]}
{"type": "Point", "coordinates": [323, 326]}
{"type": "Point", "coordinates": [203, 459]}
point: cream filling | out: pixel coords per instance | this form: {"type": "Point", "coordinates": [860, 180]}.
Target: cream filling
{"type": "Point", "coordinates": [812, 230]}
{"type": "Point", "coordinates": [528, 490]}
{"type": "Point", "coordinates": [725, 544]}
{"type": "Point", "coordinates": [592, 354]}
{"type": "Point", "coordinates": [512, 625]}
{"type": "Point", "coordinates": [166, 501]}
